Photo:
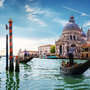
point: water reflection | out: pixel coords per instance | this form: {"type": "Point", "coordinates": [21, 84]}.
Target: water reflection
{"type": "Point", "coordinates": [73, 79]}
{"type": "Point", "coordinates": [42, 75]}
{"type": "Point", "coordinates": [0, 82]}
{"type": "Point", "coordinates": [26, 67]}
{"type": "Point", "coordinates": [12, 82]}
{"type": "Point", "coordinates": [67, 82]}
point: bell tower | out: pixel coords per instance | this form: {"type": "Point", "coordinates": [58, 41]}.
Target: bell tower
{"type": "Point", "coordinates": [88, 35]}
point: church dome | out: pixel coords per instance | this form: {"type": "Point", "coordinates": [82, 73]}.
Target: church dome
{"type": "Point", "coordinates": [71, 25]}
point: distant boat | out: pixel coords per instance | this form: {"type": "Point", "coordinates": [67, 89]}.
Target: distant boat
{"type": "Point", "coordinates": [53, 57]}
{"type": "Point", "coordinates": [79, 69]}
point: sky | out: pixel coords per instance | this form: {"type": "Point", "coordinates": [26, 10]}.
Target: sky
{"type": "Point", "coordinates": [39, 22]}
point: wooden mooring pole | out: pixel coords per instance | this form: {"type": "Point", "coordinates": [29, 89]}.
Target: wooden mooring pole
{"type": "Point", "coordinates": [17, 64]}
{"type": "Point", "coordinates": [11, 46]}
{"type": "Point", "coordinates": [7, 52]}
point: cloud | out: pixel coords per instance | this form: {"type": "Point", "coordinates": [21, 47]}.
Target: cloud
{"type": "Point", "coordinates": [50, 32]}
{"type": "Point", "coordinates": [34, 12]}
{"type": "Point", "coordinates": [86, 24]}
{"type": "Point", "coordinates": [30, 44]}
{"type": "Point", "coordinates": [28, 9]}
{"type": "Point", "coordinates": [21, 29]}
{"type": "Point", "coordinates": [60, 21]}
{"type": "Point", "coordinates": [1, 3]}
{"type": "Point", "coordinates": [32, 15]}
{"type": "Point", "coordinates": [42, 23]}
{"type": "Point", "coordinates": [25, 43]}
{"type": "Point", "coordinates": [83, 14]}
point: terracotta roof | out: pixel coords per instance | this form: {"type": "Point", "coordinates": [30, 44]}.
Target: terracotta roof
{"type": "Point", "coordinates": [87, 45]}
{"type": "Point", "coordinates": [46, 45]}
{"type": "Point", "coordinates": [30, 51]}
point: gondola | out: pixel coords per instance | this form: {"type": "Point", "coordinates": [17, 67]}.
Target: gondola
{"type": "Point", "coordinates": [75, 70]}
{"type": "Point", "coordinates": [25, 60]}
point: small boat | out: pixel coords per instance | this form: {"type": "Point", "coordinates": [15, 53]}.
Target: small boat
{"type": "Point", "coordinates": [53, 57]}
{"type": "Point", "coordinates": [75, 70]}
{"type": "Point", "coordinates": [25, 60]}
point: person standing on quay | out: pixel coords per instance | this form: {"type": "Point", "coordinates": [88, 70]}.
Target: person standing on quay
{"type": "Point", "coordinates": [28, 55]}
{"type": "Point", "coordinates": [25, 55]}
{"type": "Point", "coordinates": [70, 53]}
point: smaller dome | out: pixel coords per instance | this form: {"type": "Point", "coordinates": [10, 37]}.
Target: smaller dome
{"type": "Point", "coordinates": [83, 34]}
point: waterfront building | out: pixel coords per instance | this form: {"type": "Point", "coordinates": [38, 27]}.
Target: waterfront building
{"type": "Point", "coordinates": [44, 49]}
{"type": "Point", "coordinates": [85, 52]}
{"type": "Point", "coordinates": [72, 35]}
{"type": "Point", "coordinates": [31, 53]}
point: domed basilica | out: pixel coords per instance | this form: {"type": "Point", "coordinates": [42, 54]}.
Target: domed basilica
{"type": "Point", "coordinates": [72, 35]}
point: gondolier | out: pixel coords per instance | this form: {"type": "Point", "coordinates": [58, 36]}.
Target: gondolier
{"type": "Point", "coordinates": [25, 55]}
{"type": "Point", "coordinates": [70, 54]}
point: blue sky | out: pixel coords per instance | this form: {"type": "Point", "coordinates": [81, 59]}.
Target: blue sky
{"type": "Point", "coordinates": [40, 22]}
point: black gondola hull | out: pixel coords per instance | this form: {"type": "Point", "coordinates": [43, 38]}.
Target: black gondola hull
{"type": "Point", "coordinates": [79, 69]}
{"type": "Point", "coordinates": [25, 60]}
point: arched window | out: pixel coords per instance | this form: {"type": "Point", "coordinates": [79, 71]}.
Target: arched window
{"type": "Point", "coordinates": [74, 38]}
{"type": "Point", "coordinates": [70, 37]}
{"type": "Point", "coordinates": [60, 49]}
{"type": "Point", "coordinates": [73, 45]}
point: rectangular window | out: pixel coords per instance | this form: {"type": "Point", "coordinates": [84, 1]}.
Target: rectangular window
{"type": "Point", "coordinates": [86, 49]}
{"type": "Point", "coordinates": [86, 55]}
{"type": "Point", "coordinates": [82, 55]}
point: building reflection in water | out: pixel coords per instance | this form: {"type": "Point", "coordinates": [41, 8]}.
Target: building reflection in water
{"type": "Point", "coordinates": [12, 82]}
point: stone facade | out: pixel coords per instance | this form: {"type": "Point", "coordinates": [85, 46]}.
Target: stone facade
{"type": "Point", "coordinates": [85, 52]}
{"type": "Point", "coordinates": [31, 53]}
{"type": "Point", "coordinates": [44, 49]}
{"type": "Point", "coordinates": [71, 35]}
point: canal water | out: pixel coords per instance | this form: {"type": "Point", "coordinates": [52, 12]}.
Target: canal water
{"type": "Point", "coordinates": [42, 74]}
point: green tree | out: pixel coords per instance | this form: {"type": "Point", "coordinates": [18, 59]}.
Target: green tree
{"type": "Point", "coordinates": [52, 49]}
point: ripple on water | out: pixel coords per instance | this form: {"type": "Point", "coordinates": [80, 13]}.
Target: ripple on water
{"type": "Point", "coordinates": [42, 74]}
